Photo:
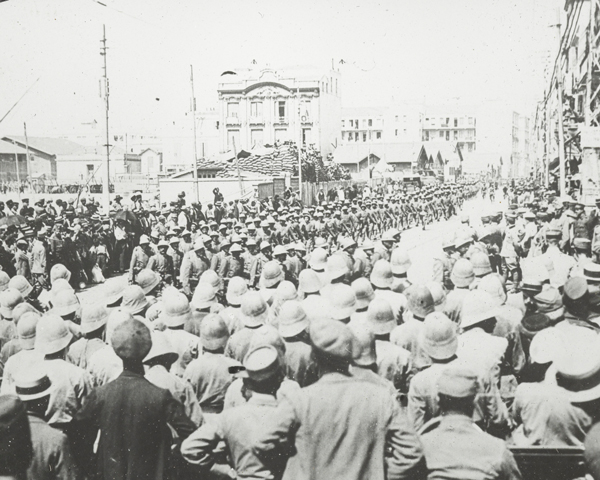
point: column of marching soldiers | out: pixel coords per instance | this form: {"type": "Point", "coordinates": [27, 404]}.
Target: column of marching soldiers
{"type": "Point", "coordinates": [252, 356]}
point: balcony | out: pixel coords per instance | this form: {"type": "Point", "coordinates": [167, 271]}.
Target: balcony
{"type": "Point", "coordinates": [232, 121]}
{"type": "Point", "coordinates": [256, 120]}
{"type": "Point", "coordinates": [280, 121]}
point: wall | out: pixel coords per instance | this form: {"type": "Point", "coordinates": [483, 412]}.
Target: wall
{"type": "Point", "coordinates": [229, 187]}
{"type": "Point", "coordinates": [42, 166]}
{"type": "Point", "coordinates": [8, 167]}
{"type": "Point", "coordinates": [74, 169]}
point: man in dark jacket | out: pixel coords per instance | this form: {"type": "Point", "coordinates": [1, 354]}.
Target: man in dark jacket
{"type": "Point", "coordinates": [132, 415]}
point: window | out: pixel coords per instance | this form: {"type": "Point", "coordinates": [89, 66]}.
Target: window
{"type": "Point", "coordinates": [455, 134]}
{"type": "Point", "coordinates": [378, 135]}
{"type": "Point", "coordinates": [256, 109]}
{"type": "Point", "coordinates": [471, 120]}
{"type": "Point", "coordinates": [351, 123]}
{"type": "Point", "coordinates": [441, 134]}
{"type": "Point", "coordinates": [281, 109]}
{"type": "Point", "coordinates": [233, 109]}
{"type": "Point", "coordinates": [396, 118]}
{"type": "Point", "coordinates": [343, 123]}
{"type": "Point", "coordinates": [396, 132]}
{"type": "Point", "coordinates": [364, 137]}
{"type": "Point", "coordinates": [456, 122]}
{"type": "Point", "coordinates": [306, 136]}
{"type": "Point", "coordinates": [470, 147]}
{"type": "Point", "coordinates": [370, 122]}
{"type": "Point", "coordinates": [448, 135]}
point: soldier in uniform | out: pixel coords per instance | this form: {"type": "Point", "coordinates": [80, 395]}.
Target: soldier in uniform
{"type": "Point", "coordinates": [194, 264]}
{"type": "Point", "coordinates": [140, 257]}
{"type": "Point", "coordinates": [339, 449]}
{"type": "Point", "coordinates": [265, 255]}
{"type": "Point", "coordinates": [236, 426]}
{"type": "Point", "coordinates": [454, 447]}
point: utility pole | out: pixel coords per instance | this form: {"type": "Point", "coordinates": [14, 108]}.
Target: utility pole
{"type": "Point", "coordinates": [237, 166]}
{"type": "Point", "coordinates": [561, 133]}
{"type": "Point", "coordinates": [27, 150]}
{"type": "Point", "coordinates": [106, 176]}
{"type": "Point", "coordinates": [17, 170]}
{"type": "Point", "coordinates": [195, 165]}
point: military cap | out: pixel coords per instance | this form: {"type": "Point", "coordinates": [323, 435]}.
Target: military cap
{"type": "Point", "coordinates": [457, 383]}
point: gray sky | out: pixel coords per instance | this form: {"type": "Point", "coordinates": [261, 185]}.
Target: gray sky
{"type": "Point", "coordinates": [436, 51]}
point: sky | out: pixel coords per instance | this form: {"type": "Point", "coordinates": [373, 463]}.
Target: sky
{"type": "Point", "coordinates": [422, 51]}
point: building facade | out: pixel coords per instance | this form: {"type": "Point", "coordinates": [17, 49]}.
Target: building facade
{"type": "Point", "coordinates": [521, 166]}
{"type": "Point", "coordinates": [266, 107]}
{"type": "Point", "coordinates": [461, 129]}
{"type": "Point", "coordinates": [393, 124]}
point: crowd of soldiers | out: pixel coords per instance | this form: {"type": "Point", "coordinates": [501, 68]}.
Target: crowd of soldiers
{"type": "Point", "coordinates": [268, 340]}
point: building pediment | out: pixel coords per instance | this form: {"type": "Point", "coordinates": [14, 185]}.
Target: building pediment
{"type": "Point", "coordinates": [267, 89]}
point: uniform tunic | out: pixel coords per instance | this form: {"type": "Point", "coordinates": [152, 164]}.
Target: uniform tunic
{"type": "Point", "coordinates": [209, 377]}
{"type": "Point", "coordinates": [457, 449]}
{"type": "Point", "coordinates": [546, 417]}
{"type": "Point", "coordinates": [328, 424]}
{"type": "Point", "coordinates": [236, 427]}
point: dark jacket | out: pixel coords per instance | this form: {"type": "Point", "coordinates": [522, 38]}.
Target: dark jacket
{"type": "Point", "coordinates": [133, 416]}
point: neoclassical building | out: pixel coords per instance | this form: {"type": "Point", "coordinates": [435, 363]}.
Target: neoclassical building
{"type": "Point", "coordinates": [263, 107]}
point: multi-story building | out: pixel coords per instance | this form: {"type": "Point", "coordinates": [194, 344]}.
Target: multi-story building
{"type": "Point", "coordinates": [268, 106]}
{"type": "Point", "coordinates": [520, 165]}
{"type": "Point", "coordinates": [458, 129]}
{"type": "Point", "coordinates": [394, 124]}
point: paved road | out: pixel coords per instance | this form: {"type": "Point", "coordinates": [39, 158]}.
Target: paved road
{"type": "Point", "coordinates": [421, 245]}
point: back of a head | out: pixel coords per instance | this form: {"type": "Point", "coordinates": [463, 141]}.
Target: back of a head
{"type": "Point", "coordinates": [131, 340]}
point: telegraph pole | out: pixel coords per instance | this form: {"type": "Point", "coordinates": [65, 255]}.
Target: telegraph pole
{"type": "Point", "coordinates": [195, 165]}
{"type": "Point", "coordinates": [106, 176]}
{"type": "Point", "coordinates": [561, 133]}
{"type": "Point", "coordinates": [27, 150]}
